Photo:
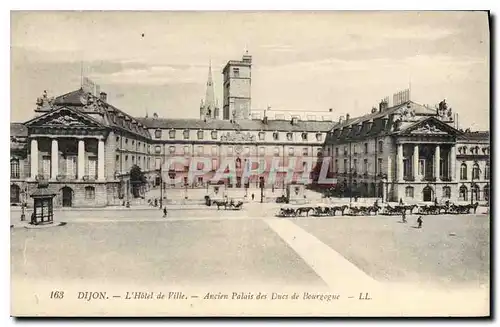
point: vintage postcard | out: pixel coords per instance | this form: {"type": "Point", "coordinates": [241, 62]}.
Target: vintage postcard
{"type": "Point", "coordinates": [250, 164]}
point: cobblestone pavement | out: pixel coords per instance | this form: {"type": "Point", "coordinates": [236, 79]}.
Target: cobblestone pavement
{"type": "Point", "coordinates": [203, 245]}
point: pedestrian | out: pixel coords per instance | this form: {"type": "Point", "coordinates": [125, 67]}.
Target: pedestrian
{"type": "Point", "coordinates": [156, 202]}
{"type": "Point", "coordinates": [164, 212]}
{"type": "Point", "coordinates": [404, 216]}
{"type": "Point", "coordinates": [253, 196]}
{"type": "Point", "coordinates": [401, 201]}
{"type": "Point", "coordinates": [419, 221]}
{"type": "Point", "coordinates": [435, 201]}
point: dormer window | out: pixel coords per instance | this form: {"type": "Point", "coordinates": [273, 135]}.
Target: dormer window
{"type": "Point", "coordinates": [262, 136]}
{"type": "Point", "coordinates": [158, 134]}
{"type": "Point", "coordinates": [214, 135]}
{"type": "Point", "coordinates": [304, 136]}
{"type": "Point", "coordinates": [186, 134]}
{"type": "Point", "coordinates": [276, 136]}
{"type": "Point", "coordinates": [319, 137]}
{"type": "Point", "coordinates": [171, 134]}
{"type": "Point", "coordinates": [289, 136]}
{"type": "Point", "coordinates": [200, 135]}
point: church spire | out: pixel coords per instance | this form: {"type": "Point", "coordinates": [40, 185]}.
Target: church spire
{"type": "Point", "coordinates": [210, 94]}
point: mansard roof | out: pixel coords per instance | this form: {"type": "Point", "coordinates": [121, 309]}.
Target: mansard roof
{"type": "Point", "coordinates": [18, 129]}
{"type": "Point", "coordinates": [246, 124]}
{"type": "Point", "coordinates": [378, 123]}
{"type": "Point", "coordinates": [112, 117]}
{"type": "Point", "coordinates": [475, 136]}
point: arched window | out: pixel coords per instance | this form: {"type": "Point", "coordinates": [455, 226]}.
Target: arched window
{"type": "Point", "coordinates": [462, 193]}
{"type": "Point", "coordinates": [486, 191]}
{"type": "Point", "coordinates": [463, 171]}
{"type": "Point", "coordinates": [476, 192]}
{"type": "Point", "coordinates": [14, 168]}
{"type": "Point", "coordinates": [446, 192]}
{"type": "Point", "coordinates": [487, 171]}
{"type": "Point", "coordinates": [475, 171]}
{"type": "Point", "coordinates": [89, 193]}
{"type": "Point", "coordinates": [409, 191]}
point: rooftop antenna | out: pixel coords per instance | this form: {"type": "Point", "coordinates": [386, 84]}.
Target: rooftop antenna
{"type": "Point", "coordinates": [147, 112]}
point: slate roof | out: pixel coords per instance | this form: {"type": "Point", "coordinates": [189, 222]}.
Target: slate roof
{"type": "Point", "coordinates": [248, 125]}
{"type": "Point", "coordinates": [18, 129]}
{"type": "Point", "coordinates": [376, 124]}
{"type": "Point", "coordinates": [113, 117]}
{"type": "Point", "coordinates": [479, 136]}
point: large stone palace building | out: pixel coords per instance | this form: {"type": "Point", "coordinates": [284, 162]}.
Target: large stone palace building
{"type": "Point", "coordinates": [410, 152]}
{"type": "Point", "coordinates": [85, 147]}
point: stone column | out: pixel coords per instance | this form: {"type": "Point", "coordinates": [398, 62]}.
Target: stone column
{"type": "Point", "coordinates": [437, 161]}
{"type": "Point", "coordinates": [34, 158]}
{"type": "Point", "coordinates": [81, 158]}
{"type": "Point", "coordinates": [100, 160]}
{"type": "Point", "coordinates": [416, 162]}
{"type": "Point", "coordinates": [54, 159]}
{"type": "Point", "coordinates": [399, 160]}
{"type": "Point", "coordinates": [453, 162]}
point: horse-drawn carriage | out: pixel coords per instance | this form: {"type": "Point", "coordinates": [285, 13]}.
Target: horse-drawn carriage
{"type": "Point", "coordinates": [228, 205]}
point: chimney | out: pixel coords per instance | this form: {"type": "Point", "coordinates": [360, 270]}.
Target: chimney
{"type": "Point", "coordinates": [294, 120]}
{"type": "Point", "coordinates": [383, 105]}
{"type": "Point", "coordinates": [264, 121]}
{"type": "Point", "coordinates": [341, 119]}
{"type": "Point", "coordinates": [103, 96]}
{"type": "Point", "coordinates": [330, 110]}
{"type": "Point", "coordinates": [347, 116]}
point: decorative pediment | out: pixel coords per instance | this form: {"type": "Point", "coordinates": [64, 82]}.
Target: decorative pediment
{"type": "Point", "coordinates": [64, 118]}
{"type": "Point", "coordinates": [237, 137]}
{"type": "Point", "coordinates": [406, 113]}
{"type": "Point", "coordinates": [430, 126]}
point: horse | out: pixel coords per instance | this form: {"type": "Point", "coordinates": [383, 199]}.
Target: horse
{"type": "Point", "coordinates": [220, 204]}
{"type": "Point", "coordinates": [304, 209]}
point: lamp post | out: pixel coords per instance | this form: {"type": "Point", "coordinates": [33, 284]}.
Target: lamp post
{"type": "Point", "coordinates": [161, 185]}
{"type": "Point", "coordinates": [24, 194]}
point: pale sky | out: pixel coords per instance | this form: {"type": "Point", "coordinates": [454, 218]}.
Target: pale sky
{"type": "Point", "coordinates": [302, 61]}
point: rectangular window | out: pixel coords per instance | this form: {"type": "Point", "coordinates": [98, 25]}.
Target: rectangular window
{"type": "Point", "coordinates": [276, 151]}
{"type": "Point", "coordinates": [236, 72]}
{"type": "Point", "coordinates": [14, 168]}
{"type": "Point", "coordinates": [337, 152]}
{"type": "Point", "coordinates": [409, 192]}
{"type": "Point", "coordinates": [262, 135]}
{"type": "Point", "coordinates": [200, 151]}
{"type": "Point", "coordinates": [421, 167]}
{"type": "Point", "coordinates": [355, 166]}
{"type": "Point", "coordinates": [171, 149]}
{"type": "Point", "coordinates": [200, 135]}
{"type": "Point", "coordinates": [89, 193]}
{"type": "Point", "coordinates": [91, 170]}
{"type": "Point", "coordinates": [345, 166]}
{"type": "Point", "coordinates": [157, 163]}
{"type": "Point", "coordinates": [305, 151]}
{"type": "Point", "coordinates": [46, 166]}
{"type": "Point", "coordinates": [186, 150]}
{"type": "Point", "coordinates": [157, 149]}
{"type": "Point", "coordinates": [345, 151]}
{"type": "Point", "coordinates": [276, 136]}
{"type": "Point", "coordinates": [336, 165]}
{"type": "Point", "coordinates": [365, 166]}
{"type": "Point", "coordinates": [304, 136]}
{"type": "Point", "coordinates": [214, 135]}
{"type": "Point", "coordinates": [171, 134]}
{"type": "Point", "coordinates": [379, 165]}
{"type": "Point", "coordinates": [289, 136]}
{"type": "Point", "coordinates": [319, 137]}
{"type": "Point", "coordinates": [186, 134]}
{"type": "Point", "coordinates": [291, 152]}
{"type": "Point", "coordinates": [366, 148]}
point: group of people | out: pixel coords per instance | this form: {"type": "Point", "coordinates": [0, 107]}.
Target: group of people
{"type": "Point", "coordinates": [419, 219]}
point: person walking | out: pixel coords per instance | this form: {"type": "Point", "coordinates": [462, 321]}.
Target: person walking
{"type": "Point", "coordinates": [404, 216]}
{"type": "Point", "coordinates": [164, 212]}
{"type": "Point", "coordinates": [419, 221]}
{"type": "Point", "coordinates": [253, 196]}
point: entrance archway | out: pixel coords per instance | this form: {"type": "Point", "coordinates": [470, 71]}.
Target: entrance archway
{"type": "Point", "coordinates": [427, 193]}
{"type": "Point", "coordinates": [67, 196]}
{"type": "Point", "coordinates": [14, 193]}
